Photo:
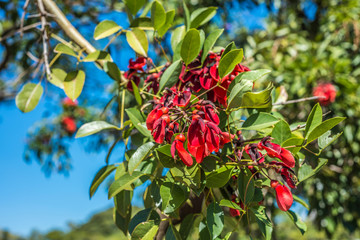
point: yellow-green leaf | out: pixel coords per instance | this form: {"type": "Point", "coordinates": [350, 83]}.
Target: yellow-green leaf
{"type": "Point", "coordinates": [29, 96]}
{"type": "Point", "coordinates": [105, 29]}
{"type": "Point", "coordinates": [74, 83]}
{"type": "Point", "coordinates": [138, 41]}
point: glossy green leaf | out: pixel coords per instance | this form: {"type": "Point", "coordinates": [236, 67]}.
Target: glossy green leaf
{"type": "Point", "coordinates": [229, 204]}
{"type": "Point", "coordinates": [306, 171]}
{"type": "Point", "coordinates": [190, 46]}
{"type": "Point", "coordinates": [145, 231]}
{"type": "Point", "coordinates": [297, 221]}
{"type": "Point", "coordinates": [302, 202]}
{"type": "Point", "coordinates": [201, 16]}
{"type": "Point", "coordinates": [97, 55]}
{"type": "Point", "coordinates": [168, 22]}
{"type": "Point", "coordinates": [219, 177]}
{"type": "Point", "coordinates": [171, 75]}
{"type": "Point", "coordinates": [138, 41]}
{"type": "Point", "coordinates": [74, 83]}
{"type": "Point", "coordinates": [294, 141]}
{"type": "Point", "coordinates": [94, 127]}
{"type": "Point", "coordinates": [202, 38]}
{"type": "Point", "coordinates": [29, 96]}
{"type": "Point", "coordinates": [172, 195]}
{"type": "Point", "coordinates": [64, 49]}
{"type": "Point", "coordinates": [228, 48]}
{"type": "Point", "coordinates": [253, 75]}
{"type": "Point", "coordinates": [134, 5]}
{"type": "Point", "coordinates": [204, 231]}
{"type": "Point", "coordinates": [105, 29]}
{"type": "Point", "coordinates": [100, 177]}
{"type": "Point", "coordinates": [57, 77]}
{"type": "Point", "coordinates": [144, 215]}
{"type": "Point", "coordinates": [137, 119]}
{"type": "Point", "coordinates": [209, 42]}
{"type": "Point", "coordinates": [323, 128]}
{"type": "Point", "coordinates": [260, 121]}
{"type": "Point", "coordinates": [326, 139]}
{"type": "Point", "coordinates": [258, 99]}
{"type": "Point", "coordinates": [172, 233]}
{"type": "Point", "coordinates": [136, 93]}
{"type": "Point", "coordinates": [263, 221]}
{"type": "Point", "coordinates": [235, 97]}
{"type": "Point", "coordinates": [123, 183]}
{"type": "Point", "coordinates": [186, 17]}
{"type": "Point", "coordinates": [122, 222]}
{"type": "Point", "coordinates": [164, 156]}
{"type": "Point", "coordinates": [215, 219]}
{"type": "Point", "coordinates": [158, 15]}
{"type": "Point", "coordinates": [246, 186]}
{"type": "Point", "coordinates": [281, 132]}
{"type": "Point", "coordinates": [139, 156]}
{"type": "Point", "coordinates": [176, 37]}
{"type": "Point", "coordinates": [122, 202]}
{"type": "Point", "coordinates": [229, 61]}
{"type": "Point", "coordinates": [314, 119]}
{"type": "Point", "coordinates": [143, 23]}
{"type": "Point", "coordinates": [187, 225]}
{"type": "Point", "coordinates": [113, 71]}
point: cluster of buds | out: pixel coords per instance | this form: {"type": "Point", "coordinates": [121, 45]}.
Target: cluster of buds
{"type": "Point", "coordinates": [69, 122]}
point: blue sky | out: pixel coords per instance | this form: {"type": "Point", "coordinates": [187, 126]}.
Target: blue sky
{"type": "Point", "coordinates": [30, 200]}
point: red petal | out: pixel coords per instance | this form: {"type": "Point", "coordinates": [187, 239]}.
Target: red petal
{"type": "Point", "coordinates": [159, 130]}
{"type": "Point", "coordinates": [152, 117]}
{"type": "Point", "coordinates": [210, 114]}
{"type": "Point", "coordinates": [183, 154]}
{"type": "Point", "coordinates": [284, 197]}
{"type": "Point", "coordinates": [287, 158]}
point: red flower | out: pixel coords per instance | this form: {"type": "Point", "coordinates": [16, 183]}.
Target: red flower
{"type": "Point", "coordinates": [326, 91]}
{"type": "Point", "coordinates": [154, 115]}
{"type": "Point", "coordinates": [234, 212]}
{"type": "Point", "coordinates": [284, 197]}
{"type": "Point", "coordinates": [196, 132]}
{"type": "Point", "coordinates": [252, 151]}
{"type": "Point", "coordinates": [212, 136]}
{"type": "Point", "coordinates": [171, 130]}
{"type": "Point", "coordinates": [69, 124]}
{"type": "Point", "coordinates": [182, 99]}
{"type": "Point", "coordinates": [153, 79]}
{"type": "Point", "coordinates": [210, 114]}
{"type": "Point", "coordinates": [286, 174]}
{"type": "Point", "coordinates": [225, 137]}
{"type": "Point", "coordinates": [178, 147]}
{"type": "Point", "coordinates": [130, 75]}
{"type": "Point", "coordinates": [158, 132]}
{"type": "Point", "coordinates": [138, 64]}
{"type": "Point", "coordinates": [69, 103]}
{"type": "Point", "coordinates": [275, 151]}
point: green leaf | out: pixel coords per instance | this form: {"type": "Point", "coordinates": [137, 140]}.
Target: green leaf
{"type": "Point", "coordinates": [138, 41]}
{"type": "Point", "coordinates": [123, 183]}
{"type": "Point", "coordinates": [105, 29]}
{"type": "Point", "coordinates": [137, 119]}
{"type": "Point", "coordinates": [93, 127]}
{"type": "Point", "coordinates": [294, 141]}
{"type": "Point", "coordinates": [186, 16]}
{"type": "Point", "coordinates": [122, 202]}
{"type": "Point", "coordinates": [258, 99]}
{"type": "Point", "coordinates": [177, 36]}
{"type": "Point", "coordinates": [145, 231]}
{"type": "Point", "coordinates": [253, 75]}
{"type": "Point", "coordinates": [171, 75]}
{"type": "Point", "coordinates": [246, 186]}
{"type": "Point", "coordinates": [28, 98]}
{"type": "Point", "coordinates": [302, 202]}
{"type": "Point", "coordinates": [97, 55]}
{"type": "Point", "coordinates": [228, 48]}
{"type": "Point", "coordinates": [209, 42]}
{"type": "Point", "coordinates": [172, 195]}
{"type": "Point", "coordinates": [190, 46]}
{"type": "Point", "coordinates": [136, 93]}
{"type": "Point", "coordinates": [201, 16]}
{"type": "Point", "coordinates": [219, 177]}
{"type": "Point", "coordinates": [134, 5]}
{"type": "Point", "coordinates": [229, 61]}
{"type": "Point", "coordinates": [326, 139]}
{"type": "Point", "coordinates": [144, 215]}
{"type": "Point", "coordinates": [64, 49]}
{"type": "Point", "coordinates": [306, 171]}
{"type": "Point", "coordinates": [140, 155]}
{"type": "Point", "coordinates": [215, 219]}
{"type": "Point", "coordinates": [158, 15]}
{"type": "Point", "coordinates": [74, 83]}
{"type": "Point", "coordinates": [143, 23]}
{"type": "Point", "coordinates": [314, 119]}
{"type": "Point", "coordinates": [202, 38]}
{"type": "Point", "coordinates": [100, 177]}
{"type": "Point", "coordinates": [229, 204]}
{"type": "Point", "coordinates": [263, 221]}
{"type": "Point", "coordinates": [122, 222]}
{"type": "Point", "coordinates": [163, 154]}
{"type": "Point", "coordinates": [235, 97]}
{"type": "Point", "coordinates": [57, 77]}
{"type": "Point", "coordinates": [113, 71]}
{"type": "Point", "coordinates": [186, 225]}
{"type": "Point", "coordinates": [172, 233]}
{"type": "Point", "coordinates": [168, 22]}
{"type": "Point", "coordinates": [323, 128]}
{"type": "Point", "coordinates": [204, 230]}
{"type": "Point", "coordinates": [259, 121]}
{"type": "Point", "coordinates": [281, 132]}
{"type": "Point", "coordinates": [297, 221]}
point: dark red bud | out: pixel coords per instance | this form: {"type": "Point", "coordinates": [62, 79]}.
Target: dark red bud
{"type": "Point", "coordinates": [180, 137]}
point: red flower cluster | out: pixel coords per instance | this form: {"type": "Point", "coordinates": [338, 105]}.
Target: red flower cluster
{"type": "Point", "coordinates": [69, 124]}
{"type": "Point", "coordinates": [284, 197]}
{"type": "Point", "coordinates": [67, 102]}
{"type": "Point", "coordinates": [326, 92]}
{"type": "Point", "coordinates": [135, 67]}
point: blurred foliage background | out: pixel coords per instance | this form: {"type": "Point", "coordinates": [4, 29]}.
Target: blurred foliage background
{"type": "Point", "coordinates": [303, 42]}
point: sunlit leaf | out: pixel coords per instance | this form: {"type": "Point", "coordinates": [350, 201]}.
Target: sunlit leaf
{"type": "Point", "coordinates": [139, 155]}
{"type": "Point", "coordinates": [64, 49]}
{"type": "Point", "coordinates": [91, 128]}
{"type": "Point", "coordinates": [28, 98]}
{"type": "Point", "coordinates": [100, 177]}
{"type": "Point", "coordinates": [190, 46]}
{"type": "Point", "coordinates": [138, 41]}
{"type": "Point", "coordinates": [74, 83]}
{"type": "Point", "coordinates": [229, 61]}
{"type": "Point", "coordinates": [105, 29]}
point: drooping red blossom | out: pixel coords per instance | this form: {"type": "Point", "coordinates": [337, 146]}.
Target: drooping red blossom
{"type": "Point", "coordinates": [212, 136]}
{"type": "Point", "coordinates": [326, 92]}
{"type": "Point", "coordinates": [210, 113]}
{"type": "Point", "coordinates": [182, 99]}
{"type": "Point", "coordinates": [138, 64]}
{"type": "Point", "coordinates": [158, 132]}
{"type": "Point", "coordinates": [287, 175]}
{"type": "Point", "coordinates": [225, 138]}
{"type": "Point", "coordinates": [69, 103]}
{"type": "Point", "coordinates": [276, 151]}
{"type": "Point", "coordinates": [287, 158]}
{"type": "Point", "coordinates": [196, 132]}
{"type": "Point", "coordinates": [131, 76]}
{"type": "Point", "coordinates": [69, 124]}
{"type": "Point", "coordinates": [153, 80]}
{"type": "Point", "coordinates": [171, 130]}
{"type": "Point", "coordinates": [284, 197]}
{"type": "Point", "coordinates": [178, 147]}
{"type": "Point", "coordinates": [255, 155]}
{"type": "Point", "coordinates": [154, 115]}
{"type": "Point", "coordinates": [199, 152]}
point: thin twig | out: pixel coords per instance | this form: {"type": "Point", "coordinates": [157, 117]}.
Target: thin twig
{"type": "Point", "coordinates": [299, 100]}
{"type": "Point", "coordinates": [45, 38]}
{"type": "Point", "coordinates": [26, 28]}
{"type": "Point", "coordinates": [23, 17]}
